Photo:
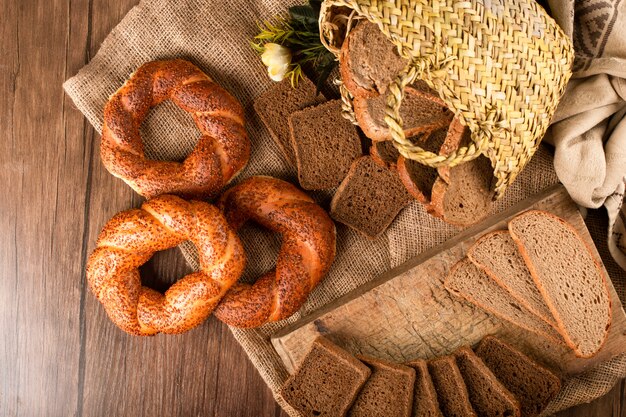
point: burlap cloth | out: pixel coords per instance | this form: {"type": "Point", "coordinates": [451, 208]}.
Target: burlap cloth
{"type": "Point", "coordinates": [215, 35]}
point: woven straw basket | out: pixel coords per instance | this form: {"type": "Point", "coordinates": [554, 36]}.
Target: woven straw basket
{"type": "Point", "coordinates": [500, 65]}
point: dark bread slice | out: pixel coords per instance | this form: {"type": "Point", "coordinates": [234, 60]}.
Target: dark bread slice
{"type": "Point", "coordinates": [451, 390]}
{"type": "Point", "coordinates": [385, 154]}
{"type": "Point", "coordinates": [419, 178]}
{"type": "Point", "coordinates": [327, 381]}
{"type": "Point", "coordinates": [462, 194]}
{"type": "Point", "coordinates": [369, 198]}
{"type": "Point", "coordinates": [497, 254]}
{"type": "Point", "coordinates": [276, 105]}
{"type": "Point", "coordinates": [488, 396]}
{"type": "Point", "coordinates": [325, 145]}
{"type": "Point", "coordinates": [533, 385]}
{"type": "Point", "coordinates": [369, 61]}
{"type": "Point", "coordinates": [569, 277]}
{"type": "Point", "coordinates": [469, 282]}
{"type": "Point", "coordinates": [387, 392]}
{"type": "Point", "coordinates": [421, 113]}
{"type": "Point", "coordinates": [425, 402]}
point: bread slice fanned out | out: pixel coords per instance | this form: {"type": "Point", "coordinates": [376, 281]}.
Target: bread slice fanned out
{"type": "Point", "coordinates": [571, 280]}
{"type": "Point", "coordinates": [425, 402]}
{"type": "Point", "coordinates": [497, 254]}
{"type": "Point", "coordinates": [488, 396]}
{"type": "Point", "coordinates": [421, 112]}
{"type": "Point", "coordinates": [467, 281]}
{"type": "Point", "coordinates": [327, 381]}
{"type": "Point", "coordinates": [532, 384]}
{"type": "Point", "coordinates": [451, 390]}
{"type": "Point", "coordinates": [387, 392]}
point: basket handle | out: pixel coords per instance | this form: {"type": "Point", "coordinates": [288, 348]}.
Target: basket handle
{"type": "Point", "coordinates": [411, 151]}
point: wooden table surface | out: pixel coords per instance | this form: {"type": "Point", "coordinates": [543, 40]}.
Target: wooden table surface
{"type": "Point", "coordinates": [59, 354]}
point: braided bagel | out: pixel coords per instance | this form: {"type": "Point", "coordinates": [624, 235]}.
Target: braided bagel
{"type": "Point", "coordinates": [306, 253]}
{"type": "Point", "coordinates": [221, 152]}
{"type": "Point", "coordinates": [130, 238]}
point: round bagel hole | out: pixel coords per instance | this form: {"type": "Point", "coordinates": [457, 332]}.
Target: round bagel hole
{"type": "Point", "coordinates": [163, 269]}
{"type": "Point", "coordinates": [262, 246]}
{"type": "Point", "coordinates": [168, 133]}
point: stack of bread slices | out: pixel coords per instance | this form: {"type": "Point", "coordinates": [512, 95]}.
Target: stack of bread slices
{"type": "Point", "coordinates": [360, 162]}
{"type": "Point", "coordinates": [492, 380]}
{"type": "Point", "coordinates": [541, 276]}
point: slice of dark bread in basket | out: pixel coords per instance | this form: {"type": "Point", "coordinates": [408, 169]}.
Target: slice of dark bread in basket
{"type": "Point", "coordinates": [419, 178]}
{"type": "Point", "coordinates": [462, 195]}
{"type": "Point", "coordinates": [368, 61]}
{"type": "Point", "coordinates": [421, 112]}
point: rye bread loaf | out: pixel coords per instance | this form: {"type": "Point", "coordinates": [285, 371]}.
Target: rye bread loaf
{"type": "Point", "coordinates": [418, 178]}
{"type": "Point", "coordinates": [421, 113]}
{"type": "Point", "coordinates": [369, 198]}
{"type": "Point", "coordinates": [467, 281]}
{"type": "Point", "coordinates": [385, 154]}
{"type": "Point", "coordinates": [451, 390]}
{"type": "Point", "coordinates": [488, 396]}
{"type": "Point", "coordinates": [368, 61]}
{"type": "Point", "coordinates": [462, 194]}
{"type": "Point", "coordinates": [425, 402]}
{"type": "Point", "coordinates": [327, 381]}
{"type": "Point", "coordinates": [497, 254]}
{"type": "Point", "coordinates": [276, 105]}
{"type": "Point", "coordinates": [325, 145]}
{"type": "Point", "coordinates": [387, 392]}
{"type": "Point", "coordinates": [532, 384]}
{"type": "Point", "coordinates": [569, 277]}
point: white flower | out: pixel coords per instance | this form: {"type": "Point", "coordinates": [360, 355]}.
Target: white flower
{"type": "Point", "coordinates": [278, 59]}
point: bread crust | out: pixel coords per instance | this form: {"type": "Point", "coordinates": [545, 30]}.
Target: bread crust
{"type": "Point", "coordinates": [542, 290]}
{"type": "Point", "coordinates": [221, 152]}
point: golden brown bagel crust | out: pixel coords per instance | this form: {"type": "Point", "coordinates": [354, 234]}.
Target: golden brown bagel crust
{"type": "Point", "coordinates": [130, 238]}
{"type": "Point", "coordinates": [306, 254]}
{"type": "Point", "coordinates": [221, 152]}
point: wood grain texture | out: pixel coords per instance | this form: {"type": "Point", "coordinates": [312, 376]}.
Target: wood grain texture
{"type": "Point", "coordinates": [407, 313]}
{"type": "Point", "coordinates": [59, 354]}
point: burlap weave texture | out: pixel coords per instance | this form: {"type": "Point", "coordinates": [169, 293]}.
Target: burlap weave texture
{"type": "Point", "coordinates": [215, 35]}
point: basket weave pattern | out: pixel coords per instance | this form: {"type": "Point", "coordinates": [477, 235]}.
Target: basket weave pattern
{"type": "Point", "coordinates": [500, 65]}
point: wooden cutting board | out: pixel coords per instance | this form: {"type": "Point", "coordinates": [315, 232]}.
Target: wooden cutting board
{"type": "Point", "coordinates": [407, 313]}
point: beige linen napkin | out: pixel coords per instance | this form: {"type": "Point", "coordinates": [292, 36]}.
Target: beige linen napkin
{"type": "Point", "coordinates": [215, 35]}
{"type": "Point", "coordinates": [589, 128]}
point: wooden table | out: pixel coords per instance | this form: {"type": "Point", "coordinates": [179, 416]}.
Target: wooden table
{"type": "Point", "coordinates": [59, 354]}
